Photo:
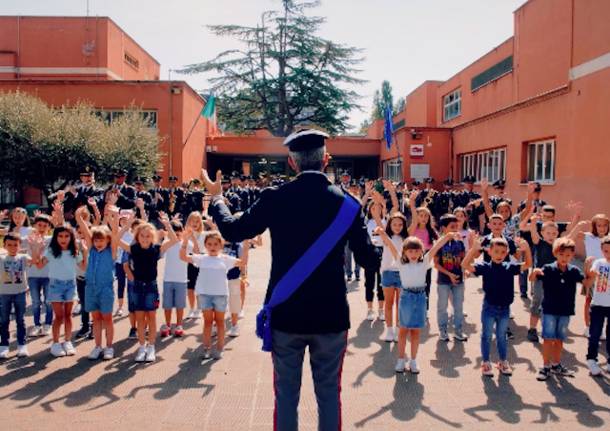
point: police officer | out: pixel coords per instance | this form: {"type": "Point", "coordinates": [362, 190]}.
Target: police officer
{"type": "Point", "coordinates": [142, 194]}
{"type": "Point", "coordinates": [499, 186]}
{"type": "Point", "coordinates": [126, 193]}
{"type": "Point", "coordinates": [194, 198]}
{"type": "Point", "coordinates": [175, 198]}
{"type": "Point", "coordinates": [297, 214]}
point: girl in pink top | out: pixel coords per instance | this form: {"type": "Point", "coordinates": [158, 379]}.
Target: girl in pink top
{"type": "Point", "coordinates": [422, 227]}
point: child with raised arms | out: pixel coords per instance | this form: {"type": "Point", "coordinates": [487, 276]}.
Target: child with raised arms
{"type": "Point", "coordinates": [413, 264]}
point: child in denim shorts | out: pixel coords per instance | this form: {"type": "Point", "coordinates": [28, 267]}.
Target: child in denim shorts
{"type": "Point", "coordinates": [559, 294]}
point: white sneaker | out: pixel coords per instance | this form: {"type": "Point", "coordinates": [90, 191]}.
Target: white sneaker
{"type": "Point", "coordinates": [35, 331]}
{"type": "Point", "coordinates": [69, 348]}
{"type": "Point", "coordinates": [119, 312]}
{"type": "Point", "coordinates": [241, 314]}
{"type": "Point", "coordinates": [150, 354]}
{"type": "Point", "coordinates": [586, 333]}
{"type": "Point", "coordinates": [207, 354]}
{"type": "Point", "coordinates": [57, 350]}
{"type": "Point", "coordinates": [382, 315]}
{"type": "Point", "coordinates": [95, 353]}
{"type": "Point", "coordinates": [594, 368]}
{"type": "Point", "coordinates": [389, 334]}
{"type": "Point", "coordinates": [108, 353]}
{"type": "Point", "coordinates": [76, 309]}
{"type": "Point", "coordinates": [141, 354]}
{"type": "Point", "coordinates": [413, 368]}
{"type": "Point", "coordinates": [3, 352]}
{"type": "Point", "coordinates": [370, 315]}
{"type": "Point", "coordinates": [400, 365]}
{"type": "Point", "coordinates": [234, 331]}
{"type": "Point", "coordinates": [22, 352]}
{"type": "Point", "coordinates": [46, 329]}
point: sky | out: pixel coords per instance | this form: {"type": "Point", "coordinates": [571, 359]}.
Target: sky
{"type": "Point", "coordinates": [405, 41]}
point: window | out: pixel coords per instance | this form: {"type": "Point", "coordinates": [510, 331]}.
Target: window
{"type": "Point", "coordinates": [494, 72]}
{"type": "Point", "coordinates": [541, 161]}
{"type": "Point", "coordinates": [150, 117]}
{"type": "Point", "coordinates": [392, 169]}
{"type": "Point", "coordinates": [489, 164]}
{"type": "Point", "coordinates": [452, 104]}
{"type": "Point", "coordinates": [7, 193]}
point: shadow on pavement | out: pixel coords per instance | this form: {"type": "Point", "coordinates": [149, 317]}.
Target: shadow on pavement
{"type": "Point", "coordinates": [408, 402]}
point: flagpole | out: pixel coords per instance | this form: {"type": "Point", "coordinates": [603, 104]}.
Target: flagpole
{"type": "Point", "coordinates": [192, 128]}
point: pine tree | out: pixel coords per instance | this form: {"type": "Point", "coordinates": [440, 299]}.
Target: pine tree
{"type": "Point", "coordinates": [285, 75]}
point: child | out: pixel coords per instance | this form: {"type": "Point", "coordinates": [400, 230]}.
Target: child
{"type": "Point", "coordinates": [19, 223]}
{"type": "Point", "coordinates": [62, 256]}
{"type": "Point", "coordinates": [175, 282]}
{"type": "Point", "coordinates": [413, 266]}
{"type": "Point", "coordinates": [124, 263]}
{"type": "Point", "coordinates": [450, 283]}
{"type": "Point", "coordinates": [212, 287]}
{"type": "Point", "coordinates": [13, 286]}
{"type": "Point", "coordinates": [144, 255]}
{"type": "Point", "coordinates": [372, 278]}
{"type": "Point", "coordinates": [38, 282]}
{"type": "Point", "coordinates": [498, 287]}
{"type": "Point", "coordinates": [194, 223]}
{"type": "Point", "coordinates": [235, 278]}
{"type": "Point", "coordinates": [559, 293]}
{"type": "Point", "coordinates": [422, 227]}
{"type": "Point", "coordinates": [120, 275]}
{"type": "Point", "coordinates": [600, 226]}
{"type": "Point", "coordinates": [543, 255]}
{"type": "Point", "coordinates": [463, 229]}
{"type": "Point", "coordinates": [395, 232]}
{"type": "Point", "coordinates": [600, 307]}
{"type": "Point", "coordinates": [102, 244]}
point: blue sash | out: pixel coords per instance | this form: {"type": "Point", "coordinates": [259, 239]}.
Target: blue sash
{"type": "Point", "coordinates": [304, 266]}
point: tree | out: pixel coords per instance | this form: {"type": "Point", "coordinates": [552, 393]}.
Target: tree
{"type": "Point", "coordinates": [284, 76]}
{"type": "Point", "coordinates": [381, 100]}
{"type": "Point", "coordinates": [400, 106]}
{"type": "Point", "coordinates": [46, 147]}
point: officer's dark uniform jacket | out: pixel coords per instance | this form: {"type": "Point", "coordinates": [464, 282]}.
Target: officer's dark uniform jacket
{"type": "Point", "coordinates": [296, 214]}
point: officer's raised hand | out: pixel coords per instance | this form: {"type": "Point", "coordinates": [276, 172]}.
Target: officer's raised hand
{"type": "Point", "coordinates": [213, 187]}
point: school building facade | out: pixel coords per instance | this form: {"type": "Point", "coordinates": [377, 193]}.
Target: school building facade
{"type": "Point", "coordinates": [67, 60]}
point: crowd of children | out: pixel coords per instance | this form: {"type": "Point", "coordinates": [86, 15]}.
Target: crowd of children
{"type": "Point", "coordinates": [57, 262]}
{"type": "Point", "coordinates": [107, 246]}
{"type": "Point", "coordinates": [413, 242]}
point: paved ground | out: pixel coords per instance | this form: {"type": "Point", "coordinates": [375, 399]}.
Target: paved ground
{"type": "Point", "coordinates": [180, 391]}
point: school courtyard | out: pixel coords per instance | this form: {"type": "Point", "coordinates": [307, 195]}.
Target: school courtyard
{"type": "Point", "coordinates": [180, 391]}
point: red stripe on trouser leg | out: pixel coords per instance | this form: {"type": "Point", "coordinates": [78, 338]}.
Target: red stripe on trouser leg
{"type": "Point", "coordinates": [274, 397]}
{"type": "Point", "coordinates": [339, 382]}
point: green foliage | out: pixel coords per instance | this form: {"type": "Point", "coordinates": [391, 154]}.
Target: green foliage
{"type": "Point", "coordinates": [381, 100]}
{"type": "Point", "coordinates": [400, 106]}
{"type": "Point", "coordinates": [284, 76]}
{"type": "Point", "coordinates": [45, 147]}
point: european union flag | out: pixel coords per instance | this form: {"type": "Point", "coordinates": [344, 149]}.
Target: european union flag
{"type": "Point", "coordinates": [388, 129]}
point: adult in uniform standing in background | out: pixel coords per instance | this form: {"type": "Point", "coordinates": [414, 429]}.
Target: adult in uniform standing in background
{"type": "Point", "coordinates": [316, 315]}
{"type": "Point", "coordinates": [194, 198]}
{"type": "Point", "coordinates": [160, 198]}
{"type": "Point", "coordinates": [126, 193]}
{"type": "Point", "coordinates": [175, 197]}
{"type": "Point", "coordinates": [144, 196]}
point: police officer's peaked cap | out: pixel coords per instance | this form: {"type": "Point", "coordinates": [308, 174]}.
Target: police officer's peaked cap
{"type": "Point", "coordinates": [469, 179]}
{"type": "Point", "coordinates": [307, 139]}
{"type": "Point", "coordinates": [429, 180]}
{"type": "Point", "coordinates": [173, 178]}
{"type": "Point", "coordinates": [415, 182]}
{"type": "Point", "coordinates": [120, 173]}
{"type": "Point", "coordinates": [139, 180]}
{"type": "Point", "coordinates": [87, 172]}
{"type": "Point", "coordinates": [499, 184]}
{"type": "Point", "coordinates": [448, 182]}
{"type": "Point", "coordinates": [157, 177]}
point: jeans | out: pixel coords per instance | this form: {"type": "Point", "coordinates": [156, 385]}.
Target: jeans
{"type": "Point", "coordinates": [326, 353]}
{"type": "Point", "coordinates": [599, 315]}
{"type": "Point", "coordinates": [348, 264]}
{"type": "Point", "coordinates": [457, 300]}
{"type": "Point", "coordinates": [523, 282]}
{"type": "Point", "coordinates": [121, 280]}
{"type": "Point", "coordinates": [39, 287]}
{"type": "Point", "coordinates": [498, 315]}
{"type": "Point", "coordinates": [81, 284]}
{"type": "Point", "coordinates": [6, 303]}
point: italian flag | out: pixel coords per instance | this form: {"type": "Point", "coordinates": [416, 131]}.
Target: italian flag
{"type": "Point", "coordinates": [209, 112]}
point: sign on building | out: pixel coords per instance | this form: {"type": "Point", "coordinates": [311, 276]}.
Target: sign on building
{"type": "Point", "coordinates": [417, 150]}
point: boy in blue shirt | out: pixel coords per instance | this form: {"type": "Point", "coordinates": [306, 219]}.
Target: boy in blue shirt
{"type": "Point", "coordinates": [559, 293]}
{"type": "Point", "coordinates": [498, 287]}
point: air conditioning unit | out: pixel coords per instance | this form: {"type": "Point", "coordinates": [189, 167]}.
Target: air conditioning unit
{"type": "Point", "coordinates": [176, 90]}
